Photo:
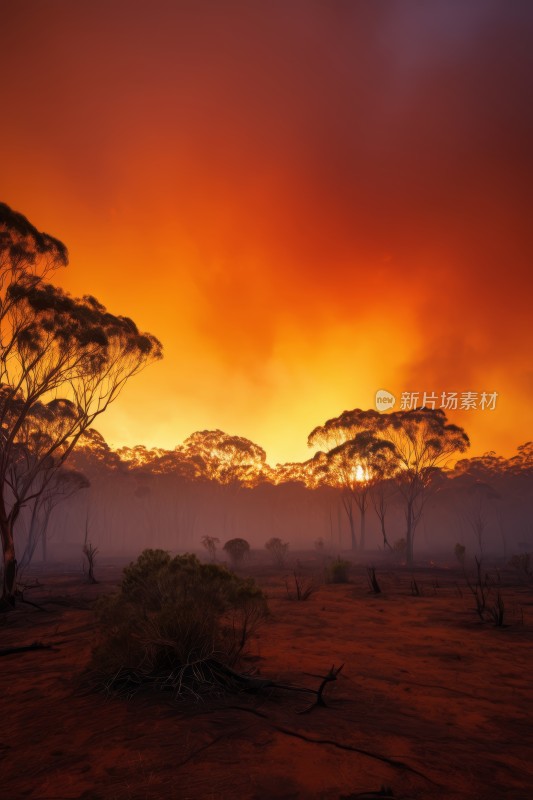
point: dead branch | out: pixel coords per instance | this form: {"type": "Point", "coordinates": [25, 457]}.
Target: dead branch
{"type": "Point", "coordinates": [7, 651]}
{"type": "Point", "coordinates": [253, 684]}
{"type": "Point", "coordinates": [385, 759]}
{"type": "Point", "coordinates": [370, 754]}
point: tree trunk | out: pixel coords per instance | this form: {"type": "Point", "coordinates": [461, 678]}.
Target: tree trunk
{"type": "Point", "coordinates": [10, 563]}
{"type": "Point", "coordinates": [362, 537]}
{"type": "Point", "coordinates": [384, 533]}
{"type": "Point", "coordinates": [409, 534]}
{"type": "Point", "coordinates": [348, 507]}
{"type": "Point", "coordinates": [352, 533]}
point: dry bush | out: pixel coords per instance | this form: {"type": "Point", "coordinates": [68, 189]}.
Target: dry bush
{"type": "Point", "coordinates": [373, 582]}
{"type": "Point", "coordinates": [278, 550]}
{"type": "Point", "coordinates": [338, 571]}
{"type": "Point", "coordinates": [175, 623]}
{"type": "Point", "coordinates": [460, 552]}
{"type": "Point", "coordinates": [302, 586]}
{"type": "Point", "coordinates": [210, 543]}
{"type": "Point", "coordinates": [523, 564]}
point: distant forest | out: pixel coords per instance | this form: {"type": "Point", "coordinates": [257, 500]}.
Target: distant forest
{"type": "Point", "coordinates": [219, 485]}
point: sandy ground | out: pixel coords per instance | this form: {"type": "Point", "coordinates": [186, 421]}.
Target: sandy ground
{"type": "Point", "coordinates": [430, 703]}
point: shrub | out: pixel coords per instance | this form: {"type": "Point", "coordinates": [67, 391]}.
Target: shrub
{"type": "Point", "coordinates": [338, 571]}
{"type": "Point", "coordinates": [460, 551]}
{"type": "Point", "coordinates": [278, 550]}
{"type": "Point", "coordinates": [175, 623]}
{"type": "Point", "coordinates": [496, 612]}
{"type": "Point", "coordinates": [236, 549]}
{"type": "Point", "coordinates": [304, 586]}
{"type": "Point", "coordinates": [400, 547]}
{"type": "Point", "coordinates": [522, 563]}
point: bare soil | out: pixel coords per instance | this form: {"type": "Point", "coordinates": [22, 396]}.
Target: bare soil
{"type": "Point", "coordinates": [430, 703]}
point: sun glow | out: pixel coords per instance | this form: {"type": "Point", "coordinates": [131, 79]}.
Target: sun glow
{"type": "Point", "coordinates": [360, 473]}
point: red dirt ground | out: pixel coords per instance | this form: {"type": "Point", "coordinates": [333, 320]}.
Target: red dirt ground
{"type": "Point", "coordinates": [446, 699]}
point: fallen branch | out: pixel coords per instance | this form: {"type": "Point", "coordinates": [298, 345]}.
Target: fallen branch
{"type": "Point", "coordinates": [252, 684]}
{"type": "Point", "coordinates": [24, 648]}
{"type": "Point", "coordinates": [370, 754]}
{"type": "Point", "coordinates": [385, 759]}
{"type": "Point", "coordinates": [385, 791]}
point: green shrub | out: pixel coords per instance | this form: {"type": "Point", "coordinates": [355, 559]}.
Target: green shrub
{"type": "Point", "coordinates": [175, 623]}
{"type": "Point", "coordinates": [338, 571]}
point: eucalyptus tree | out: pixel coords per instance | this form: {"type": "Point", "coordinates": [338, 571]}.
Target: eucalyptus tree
{"type": "Point", "coordinates": [55, 351]}
{"type": "Point", "coordinates": [424, 442]}
{"type": "Point", "coordinates": [368, 448]}
{"type": "Point", "coordinates": [356, 466]}
{"type": "Point", "coordinates": [355, 460]}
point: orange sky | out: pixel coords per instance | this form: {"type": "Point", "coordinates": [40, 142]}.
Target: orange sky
{"type": "Point", "coordinates": [305, 201]}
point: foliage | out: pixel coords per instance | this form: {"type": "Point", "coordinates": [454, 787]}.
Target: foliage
{"type": "Point", "coordinates": [338, 571]}
{"type": "Point", "coordinates": [174, 623]}
{"type": "Point", "coordinates": [237, 549]}
{"type": "Point", "coordinates": [278, 550]}
{"type": "Point", "coordinates": [228, 460]}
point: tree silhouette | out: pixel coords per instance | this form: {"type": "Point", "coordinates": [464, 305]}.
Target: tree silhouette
{"type": "Point", "coordinates": [229, 463]}
{"type": "Point", "coordinates": [55, 351]}
{"type": "Point", "coordinates": [228, 460]}
{"type": "Point", "coordinates": [236, 549]}
{"type": "Point", "coordinates": [210, 544]}
{"type": "Point", "coordinates": [423, 443]}
{"type": "Point", "coordinates": [358, 459]}
{"type": "Point", "coordinates": [63, 484]}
